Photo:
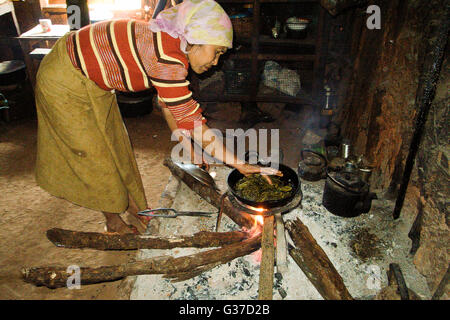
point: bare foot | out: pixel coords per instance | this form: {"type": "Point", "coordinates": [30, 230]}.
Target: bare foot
{"type": "Point", "coordinates": [114, 223]}
{"type": "Point", "coordinates": [135, 219]}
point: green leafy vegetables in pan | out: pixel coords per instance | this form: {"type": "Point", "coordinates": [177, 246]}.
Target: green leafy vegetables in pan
{"type": "Point", "coordinates": [255, 188]}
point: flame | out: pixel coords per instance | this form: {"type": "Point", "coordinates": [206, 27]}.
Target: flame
{"type": "Point", "coordinates": [259, 219]}
{"type": "Point", "coordinates": [257, 226]}
{"type": "Point", "coordinates": [255, 230]}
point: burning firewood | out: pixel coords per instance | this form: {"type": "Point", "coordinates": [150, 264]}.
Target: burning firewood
{"type": "Point", "coordinates": [309, 256]}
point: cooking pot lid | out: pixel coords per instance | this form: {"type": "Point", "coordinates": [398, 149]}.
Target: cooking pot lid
{"type": "Point", "coordinates": [350, 180]}
{"type": "Point", "coordinates": [313, 160]}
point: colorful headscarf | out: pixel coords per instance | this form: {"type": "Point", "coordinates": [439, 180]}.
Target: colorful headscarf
{"type": "Point", "coordinates": [195, 22]}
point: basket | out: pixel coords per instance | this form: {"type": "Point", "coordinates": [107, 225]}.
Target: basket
{"type": "Point", "coordinates": [242, 27]}
{"type": "Point", "coordinates": [237, 81]}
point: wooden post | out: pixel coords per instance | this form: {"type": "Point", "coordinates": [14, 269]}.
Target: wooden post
{"type": "Point", "coordinates": [267, 261]}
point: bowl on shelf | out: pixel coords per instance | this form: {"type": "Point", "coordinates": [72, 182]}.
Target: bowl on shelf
{"type": "Point", "coordinates": [296, 28]}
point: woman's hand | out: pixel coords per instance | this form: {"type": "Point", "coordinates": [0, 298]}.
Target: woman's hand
{"type": "Point", "coordinates": [247, 169]}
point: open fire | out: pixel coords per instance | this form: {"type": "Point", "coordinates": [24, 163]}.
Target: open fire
{"type": "Point", "coordinates": [259, 219]}
{"type": "Point", "coordinates": [257, 226]}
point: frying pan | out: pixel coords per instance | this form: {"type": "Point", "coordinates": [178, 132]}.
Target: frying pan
{"type": "Point", "coordinates": [289, 176]}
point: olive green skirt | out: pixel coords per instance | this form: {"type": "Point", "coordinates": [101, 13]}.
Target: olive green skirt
{"type": "Point", "coordinates": [84, 154]}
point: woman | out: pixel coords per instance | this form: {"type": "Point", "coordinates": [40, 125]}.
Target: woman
{"type": "Point", "coordinates": [84, 153]}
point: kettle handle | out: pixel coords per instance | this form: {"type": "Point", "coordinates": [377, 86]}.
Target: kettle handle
{"type": "Point", "coordinates": [325, 162]}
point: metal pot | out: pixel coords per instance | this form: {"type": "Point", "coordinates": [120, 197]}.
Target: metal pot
{"type": "Point", "coordinates": [297, 28]}
{"type": "Point", "coordinates": [346, 195]}
{"type": "Point", "coordinates": [12, 72]}
{"type": "Point", "coordinates": [135, 104]}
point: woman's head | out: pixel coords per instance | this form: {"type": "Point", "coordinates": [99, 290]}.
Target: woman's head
{"type": "Point", "coordinates": [203, 56]}
{"type": "Point", "coordinates": [203, 27]}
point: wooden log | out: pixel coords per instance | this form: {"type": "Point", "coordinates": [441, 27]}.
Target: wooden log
{"type": "Point", "coordinates": [396, 289]}
{"type": "Point", "coordinates": [57, 277]}
{"type": "Point", "coordinates": [267, 261]}
{"type": "Point", "coordinates": [440, 290]}
{"type": "Point", "coordinates": [314, 262]}
{"type": "Point", "coordinates": [210, 195]}
{"type": "Point", "coordinates": [183, 276]}
{"type": "Point", "coordinates": [395, 277]}
{"type": "Point", "coordinates": [102, 241]}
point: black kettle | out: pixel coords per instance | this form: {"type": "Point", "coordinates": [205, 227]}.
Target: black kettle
{"type": "Point", "coordinates": [312, 166]}
{"type": "Point", "coordinates": [346, 195]}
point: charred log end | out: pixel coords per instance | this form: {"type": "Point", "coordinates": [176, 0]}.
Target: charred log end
{"type": "Point", "coordinates": [40, 277]}
{"type": "Point", "coordinates": [55, 237]}
{"type": "Point", "coordinates": [57, 277]}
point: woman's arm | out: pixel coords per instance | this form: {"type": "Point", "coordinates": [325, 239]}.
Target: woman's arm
{"type": "Point", "coordinates": [216, 144]}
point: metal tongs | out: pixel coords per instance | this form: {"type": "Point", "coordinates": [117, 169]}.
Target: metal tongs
{"type": "Point", "coordinates": [149, 213]}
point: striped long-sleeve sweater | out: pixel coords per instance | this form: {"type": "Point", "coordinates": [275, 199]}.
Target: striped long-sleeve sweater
{"type": "Point", "coordinates": [126, 55]}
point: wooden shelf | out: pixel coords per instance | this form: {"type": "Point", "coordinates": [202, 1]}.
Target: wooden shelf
{"type": "Point", "coordinates": [235, 1]}
{"type": "Point", "coordinates": [274, 56]}
{"type": "Point", "coordinates": [304, 98]}
{"type": "Point", "coordinates": [257, 48]}
{"type": "Point", "coordinates": [267, 40]}
{"type": "Point", "coordinates": [266, 1]}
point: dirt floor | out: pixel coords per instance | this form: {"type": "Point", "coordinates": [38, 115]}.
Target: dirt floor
{"type": "Point", "coordinates": [27, 211]}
